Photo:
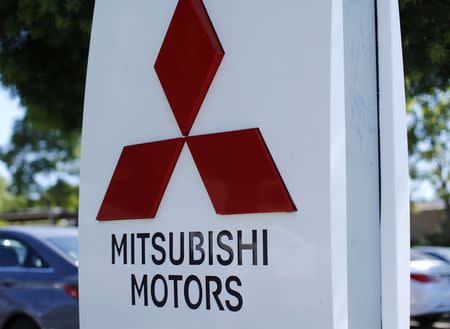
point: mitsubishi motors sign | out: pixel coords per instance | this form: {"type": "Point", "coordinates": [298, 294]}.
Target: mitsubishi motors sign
{"type": "Point", "coordinates": [214, 175]}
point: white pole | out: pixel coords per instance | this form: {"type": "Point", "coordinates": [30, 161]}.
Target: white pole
{"type": "Point", "coordinates": [394, 171]}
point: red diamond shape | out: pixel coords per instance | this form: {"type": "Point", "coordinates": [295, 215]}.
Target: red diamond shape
{"type": "Point", "coordinates": [140, 180]}
{"type": "Point", "coordinates": [239, 173]}
{"type": "Point", "coordinates": [188, 61]}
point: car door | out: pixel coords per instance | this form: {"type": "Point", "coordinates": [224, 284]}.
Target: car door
{"type": "Point", "coordinates": [12, 276]}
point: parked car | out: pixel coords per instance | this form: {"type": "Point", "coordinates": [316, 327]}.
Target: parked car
{"type": "Point", "coordinates": [442, 253]}
{"type": "Point", "coordinates": [430, 287]}
{"type": "Point", "coordinates": [38, 278]}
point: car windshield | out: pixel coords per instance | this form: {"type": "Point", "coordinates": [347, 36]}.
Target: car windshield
{"type": "Point", "coordinates": [67, 244]}
{"type": "Point", "coordinates": [444, 253]}
{"type": "Point", "coordinates": [416, 255]}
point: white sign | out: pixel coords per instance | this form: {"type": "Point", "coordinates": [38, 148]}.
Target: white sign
{"type": "Point", "coordinates": [213, 175]}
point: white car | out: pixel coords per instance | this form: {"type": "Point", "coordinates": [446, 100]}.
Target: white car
{"type": "Point", "coordinates": [430, 287]}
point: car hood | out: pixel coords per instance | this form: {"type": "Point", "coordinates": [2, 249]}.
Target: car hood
{"type": "Point", "coordinates": [429, 267]}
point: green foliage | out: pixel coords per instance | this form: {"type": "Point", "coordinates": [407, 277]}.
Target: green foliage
{"type": "Point", "coordinates": [426, 45]}
{"type": "Point", "coordinates": [43, 59]}
{"type": "Point", "coordinates": [34, 153]}
{"type": "Point", "coordinates": [61, 195]}
{"type": "Point", "coordinates": [429, 134]}
{"type": "Point", "coordinates": [435, 239]}
{"type": "Point", "coordinates": [426, 52]}
{"type": "Point", "coordinates": [8, 201]}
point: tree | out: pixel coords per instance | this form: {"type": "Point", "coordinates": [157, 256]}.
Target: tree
{"type": "Point", "coordinates": [43, 59]}
{"type": "Point", "coordinates": [430, 146]}
{"type": "Point", "coordinates": [61, 195]}
{"type": "Point", "coordinates": [7, 200]}
{"type": "Point", "coordinates": [426, 45]}
{"type": "Point", "coordinates": [35, 154]}
{"type": "Point", "coordinates": [44, 46]}
{"type": "Point", "coordinates": [426, 53]}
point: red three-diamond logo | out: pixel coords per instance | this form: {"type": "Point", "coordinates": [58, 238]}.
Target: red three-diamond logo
{"type": "Point", "coordinates": [236, 167]}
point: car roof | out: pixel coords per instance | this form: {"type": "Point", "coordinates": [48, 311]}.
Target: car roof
{"type": "Point", "coordinates": [42, 232]}
{"type": "Point", "coordinates": [432, 248]}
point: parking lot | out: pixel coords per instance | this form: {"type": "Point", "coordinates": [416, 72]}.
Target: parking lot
{"type": "Point", "coordinates": [438, 325]}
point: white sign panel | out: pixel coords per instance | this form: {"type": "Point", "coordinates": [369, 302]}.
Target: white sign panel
{"type": "Point", "coordinates": [213, 166]}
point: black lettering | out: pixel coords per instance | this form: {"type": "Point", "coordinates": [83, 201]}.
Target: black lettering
{"type": "Point", "coordinates": [159, 248]}
{"type": "Point", "coordinates": [143, 237]}
{"type": "Point", "coordinates": [142, 289]}
{"type": "Point", "coordinates": [158, 303]}
{"type": "Point", "coordinates": [187, 298]}
{"type": "Point", "coordinates": [265, 249]}
{"type": "Point", "coordinates": [234, 293]}
{"type": "Point", "coordinates": [175, 279]}
{"type": "Point", "coordinates": [251, 246]}
{"type": "Point", "coordinates": [180, 260]}
{"type": "Point", "coordinates": [215, 293]}
{"type": "Point", "coordinates": [115, 247]}
{"type": "Point", "coordinates": [225, 247]}
{"type": "Point", "coordinates": [198, 247]}
{"type": "Point", "coordinates": [210, 248]}
{"type": "Point", "coordinates": [132, 248]}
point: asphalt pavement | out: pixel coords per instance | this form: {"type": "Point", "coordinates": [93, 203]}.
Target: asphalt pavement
{"type": "Point", "coordinates": [438, 325]}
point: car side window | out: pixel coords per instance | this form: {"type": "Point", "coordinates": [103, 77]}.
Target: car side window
{"type": "Point", "coordinates": [14, 253]}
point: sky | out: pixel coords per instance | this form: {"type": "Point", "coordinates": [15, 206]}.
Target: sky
{"type": "Point", "coordinates": [9, 111]}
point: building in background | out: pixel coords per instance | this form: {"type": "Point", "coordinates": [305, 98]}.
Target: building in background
{"type": "Point", "coordinates": [427, 220]}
